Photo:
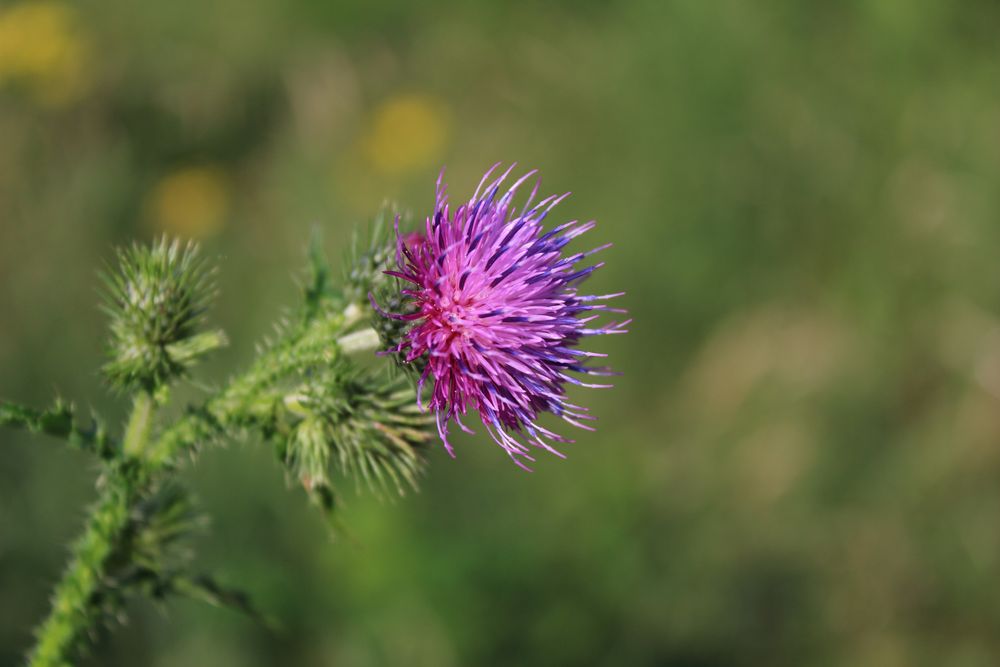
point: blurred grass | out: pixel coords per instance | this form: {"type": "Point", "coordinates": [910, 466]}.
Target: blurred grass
{"type": "Point", "coordinates": [800, 463]}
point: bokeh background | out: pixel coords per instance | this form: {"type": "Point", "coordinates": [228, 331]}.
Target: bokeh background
{"type": "Point", "coordinates": [801, 463]}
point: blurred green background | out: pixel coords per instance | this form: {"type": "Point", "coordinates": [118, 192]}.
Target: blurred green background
{"type": "Point", "coordinates": [801, 463]}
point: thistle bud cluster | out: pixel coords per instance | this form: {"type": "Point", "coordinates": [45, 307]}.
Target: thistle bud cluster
{"type": "Point", "coordinates": [482, 304]}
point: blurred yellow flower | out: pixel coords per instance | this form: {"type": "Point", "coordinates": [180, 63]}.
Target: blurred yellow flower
{"type": "Point", "coordinates": [42, 48]}
{"type": "Point", "coordinates": [192, 202]}
{"type": "Point", "coordinates": [407, 132]}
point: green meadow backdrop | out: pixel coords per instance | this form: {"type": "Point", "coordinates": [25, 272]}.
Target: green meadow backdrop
{"type": "Point", "coordinates": [801, 462]}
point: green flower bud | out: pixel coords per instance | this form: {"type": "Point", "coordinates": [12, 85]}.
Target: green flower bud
{"type": "Point", "coordinates": [156, 301]}
{"type": "Point", "coordinates": [365, 425]}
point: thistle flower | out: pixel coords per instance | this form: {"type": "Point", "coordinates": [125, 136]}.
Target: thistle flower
{"type": "Point", "coordinates": [496, 314]}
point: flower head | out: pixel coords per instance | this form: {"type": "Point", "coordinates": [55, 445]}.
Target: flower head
{"type": "Point", "coordinates": [156, 302]}
{"type": "Point", "coordinates": [496, 314]}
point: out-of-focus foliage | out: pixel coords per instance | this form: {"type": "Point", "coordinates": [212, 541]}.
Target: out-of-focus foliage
{"type": "Point", "coordinates": [801, 462]}
{"type": "Point", "coordinates": [43, 50]}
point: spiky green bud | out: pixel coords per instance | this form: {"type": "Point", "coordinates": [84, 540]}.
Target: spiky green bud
{"type": "Point", "coordinates": [157, 301]}
{"type": "Point", "coordinates": [364, 425]}
{"type": "Point", "coordinates": [370, 257]}
{"type": "Point", "coordinates": [366, 280]}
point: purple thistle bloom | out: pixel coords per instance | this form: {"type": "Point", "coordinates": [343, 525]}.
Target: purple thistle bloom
{"type": "Point", "coordinates": [498, 316]}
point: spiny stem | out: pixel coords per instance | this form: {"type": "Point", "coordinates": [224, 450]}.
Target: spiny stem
{"type": "Point", "coordinates": [321, 338]}
{"type": "Point", "coordinates": [63, 634]}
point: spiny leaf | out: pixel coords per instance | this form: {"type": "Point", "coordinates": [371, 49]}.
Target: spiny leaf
{"type": "Point", "coordinates": [60, 421]}
{"type": "Point", "coordinates": [207, 589]}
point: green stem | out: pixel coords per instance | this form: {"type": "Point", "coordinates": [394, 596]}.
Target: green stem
{"type": "Point", "coordinates": [140, 425]}
{"type": "Point", "coordinates": [61, 637]}
{"type": "Point", "coordinates": [313, 341]}
{"type": "Point", "coordinates": [365, 340]}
